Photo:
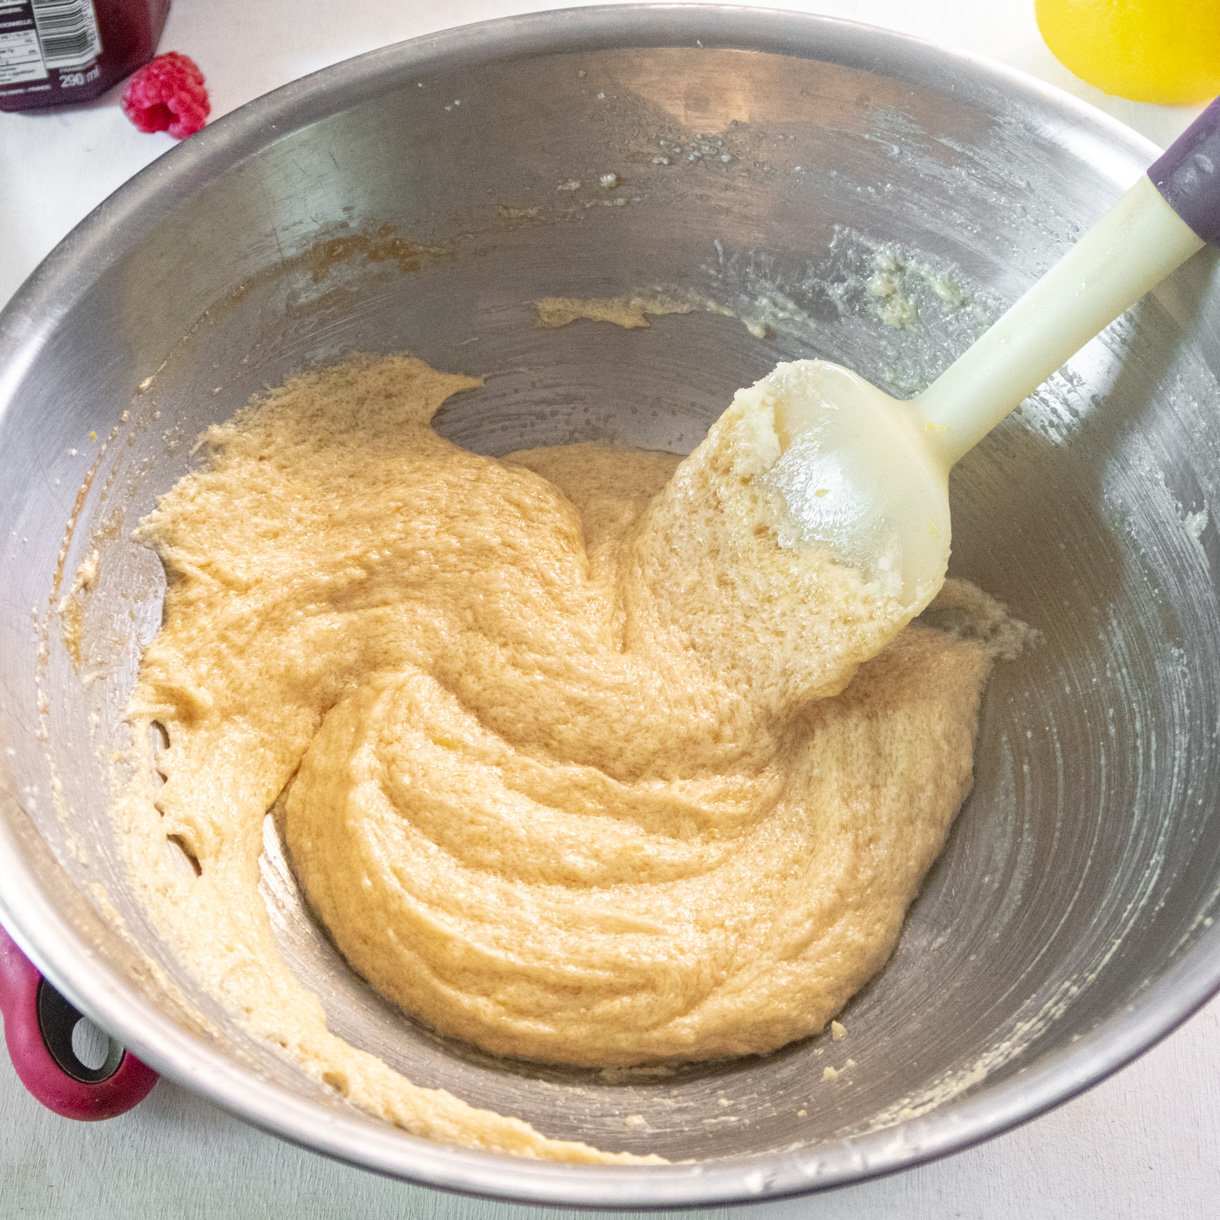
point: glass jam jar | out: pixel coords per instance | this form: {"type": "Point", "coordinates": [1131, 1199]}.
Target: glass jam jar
{"type": "Point", "coordinates": [57, 52]}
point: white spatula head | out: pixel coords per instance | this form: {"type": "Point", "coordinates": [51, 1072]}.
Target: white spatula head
{"type": "Point", "coordinates": [858, 476]}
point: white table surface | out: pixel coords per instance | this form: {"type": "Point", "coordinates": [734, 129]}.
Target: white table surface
{"type": "Point", "coordinates": [1145, 1143]}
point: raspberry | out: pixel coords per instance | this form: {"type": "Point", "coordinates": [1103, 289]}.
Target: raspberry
{"type": "Point", "coordinates": [167, 95]}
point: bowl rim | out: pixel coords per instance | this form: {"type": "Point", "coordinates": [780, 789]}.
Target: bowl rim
{"type": "Point", "coordinates": [100, 993]}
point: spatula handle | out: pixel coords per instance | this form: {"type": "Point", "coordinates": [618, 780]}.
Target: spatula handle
{"type": "Point", "coordinates": [1188, 174]}
{"type": "Point", "coordinates": [1158, 224]}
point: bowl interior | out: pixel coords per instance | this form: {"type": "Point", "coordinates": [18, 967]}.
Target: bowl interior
{"type": "Point", "coordinates": [422, 202]}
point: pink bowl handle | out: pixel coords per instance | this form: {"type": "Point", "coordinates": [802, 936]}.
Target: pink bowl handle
{"type": "Point", "coordinates": [38, 1025]}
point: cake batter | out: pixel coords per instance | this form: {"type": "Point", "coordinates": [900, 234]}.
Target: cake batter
{"type": "Point", "coordinates": [580, 760]}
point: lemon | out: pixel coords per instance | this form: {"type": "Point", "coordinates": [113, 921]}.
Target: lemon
{"type": "Point", "coordinates": [1165, 51]}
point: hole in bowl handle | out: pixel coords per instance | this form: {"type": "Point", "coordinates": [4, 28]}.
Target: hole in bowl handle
{"type": "Point", "coordinates": [38, 1029]}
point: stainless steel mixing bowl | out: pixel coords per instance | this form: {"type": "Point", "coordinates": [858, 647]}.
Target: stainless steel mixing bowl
{"type": "Point", "coordinates": [420, 198]}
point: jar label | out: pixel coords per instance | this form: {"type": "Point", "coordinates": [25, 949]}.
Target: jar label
{"type": "Point", "coordinates": [47, 44]}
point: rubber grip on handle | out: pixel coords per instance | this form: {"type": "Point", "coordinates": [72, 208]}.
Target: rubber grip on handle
{"type": "Point", "coordinates": [1188, 174]}
{"type": "Point", "coordinates": [37, 1018]}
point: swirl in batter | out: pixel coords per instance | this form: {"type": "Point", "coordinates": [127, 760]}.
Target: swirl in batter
{"type": "Point", "coordinates": [578, 763]}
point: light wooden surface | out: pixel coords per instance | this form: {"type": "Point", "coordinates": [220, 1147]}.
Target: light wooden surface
{"type": "Point", "coordinates": [1145, 1144]}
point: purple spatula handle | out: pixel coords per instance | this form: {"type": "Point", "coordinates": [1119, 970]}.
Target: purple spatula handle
{"type": "Point", "coordinates": [38, 1024]}
{"type": "Point", "coordinates": [1188, 174]}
